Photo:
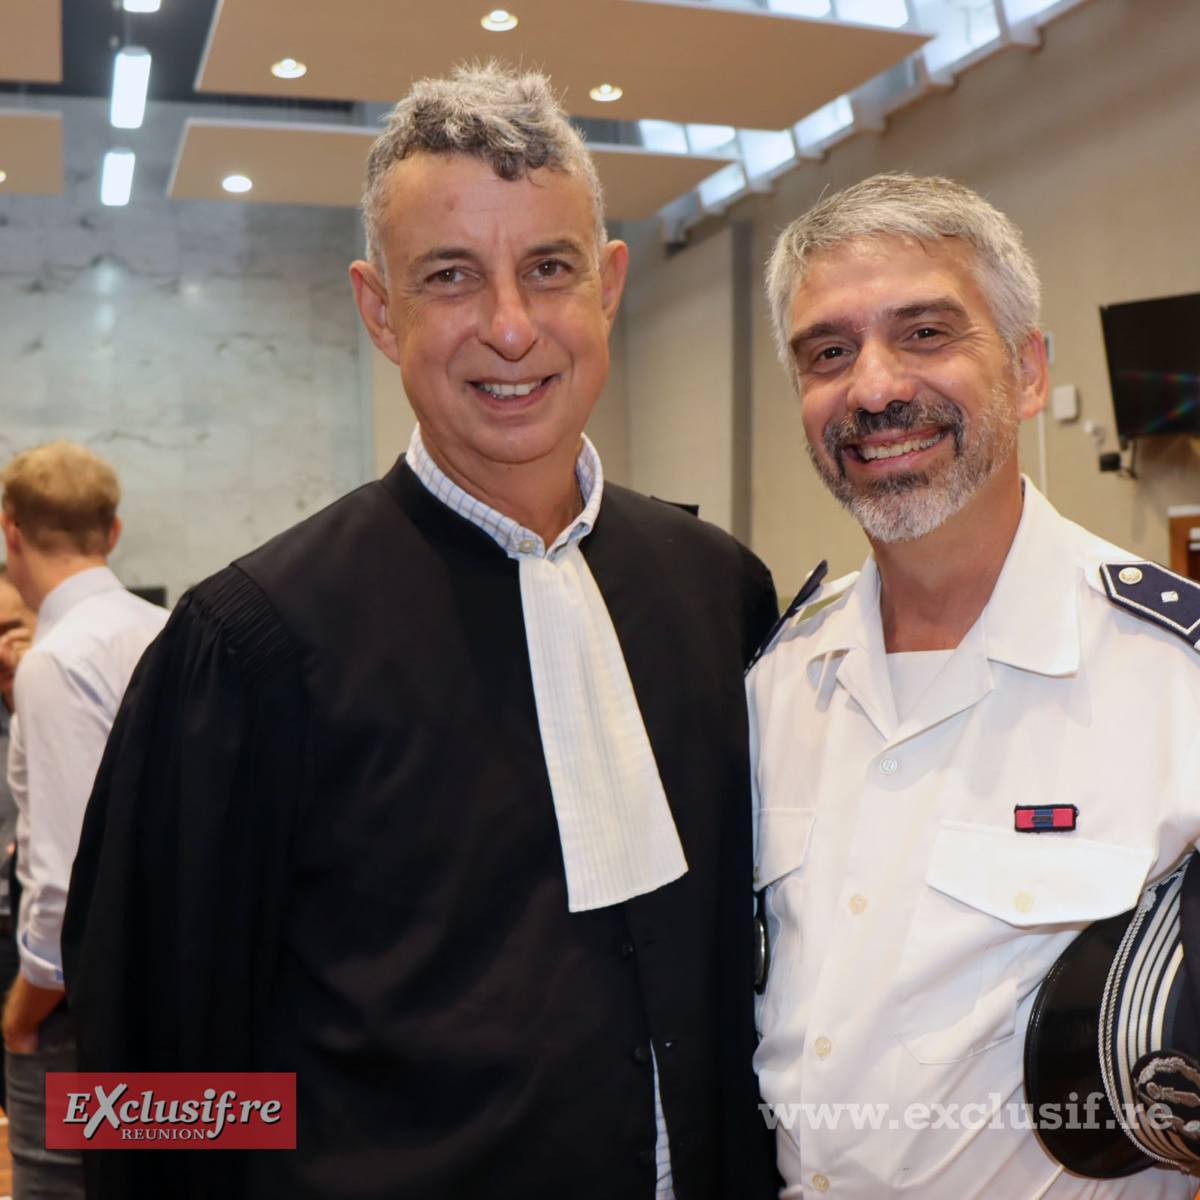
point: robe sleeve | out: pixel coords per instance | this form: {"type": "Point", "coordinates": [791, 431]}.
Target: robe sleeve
{"type": "Point", "coordinates": [175, 914]}
{"type": "Point", "coordinates": [760, 603]}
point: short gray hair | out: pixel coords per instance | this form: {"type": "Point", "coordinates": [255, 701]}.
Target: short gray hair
{"type": "Point", "coordinates": [924, 209]}
{"type": "Point", "coordinates": [512, 121]}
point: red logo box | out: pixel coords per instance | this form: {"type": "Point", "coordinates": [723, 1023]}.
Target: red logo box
{"type": "Point", "coordinates": [114, 1110]}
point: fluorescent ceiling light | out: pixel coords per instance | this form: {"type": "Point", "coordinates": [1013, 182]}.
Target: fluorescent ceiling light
{"type": "Point", "coordinates": [3, 176]}
{"type": "Point", "coordinates": [499, 20]}
{"type": "Point", "coordinates": [131, 78]}
{"type": "Point", "coordinates": [606, 92]}
{"type": "Point", "coordinates": [117, 180]}
{"type": "Point", "coordinates": [142, 5]}
{"type": "Point", "coordinates": [288, 68]}
{"type": "Point", "coordinates": [236, 183]}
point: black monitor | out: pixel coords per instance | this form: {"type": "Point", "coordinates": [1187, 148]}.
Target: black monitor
{"type": "Point", "coordinates": [1153, 349]}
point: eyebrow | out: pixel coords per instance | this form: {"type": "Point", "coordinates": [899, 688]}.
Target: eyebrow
{"type": "Point", "coordinates": [942, 305]}
{"type": "Point", "coordinates": [9, 626]}
{"type": "Point", "coordinates": [452, 253]}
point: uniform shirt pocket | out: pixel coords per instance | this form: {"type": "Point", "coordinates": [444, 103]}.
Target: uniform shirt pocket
{"type": "Point", "coordinates": [782, 839]}
{"type": "Point", "coordinates": [989, 923]}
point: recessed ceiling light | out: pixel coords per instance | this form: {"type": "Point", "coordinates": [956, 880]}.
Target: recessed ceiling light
{"type": "Point", "coordinates": [606, 92]}
{"type": "Point", "coordinates": [288, 68]}
{"type": "Point", "coordinates": [3, 176]}
{"type": "Point", "coordinates": [131, 78]}
{"type": "Point", "coordinates": [142, 6]}
{"type": "Point", "coordinates": [498, 20]}
{"type": "Point", "coordinates": [116, 180]}
{"type": "Point", "coordinates": [236, 183]}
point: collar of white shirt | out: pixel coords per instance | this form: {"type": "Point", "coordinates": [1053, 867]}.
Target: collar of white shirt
{"type": "Point", "coordinates": [60, 600]}
{"type": "Point", "coordinates": [510, 535]}
{"type": "Point", "coordinates": [615, 826]}
{"type": "Point", "coordinates": [1030, 622]}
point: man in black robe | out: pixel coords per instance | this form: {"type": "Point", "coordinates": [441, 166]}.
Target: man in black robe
{"type": "Point", "coordinates": [440, 799]}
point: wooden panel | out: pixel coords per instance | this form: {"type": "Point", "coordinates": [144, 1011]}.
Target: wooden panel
{"type": "Point", "coordinates": [674, 61]}
{"type": "Point", "coordinates": [324, 164]}
{"type": "Point", "coordinates": [31, 153]}
{"type": "Point", "coordinates": [31, 41]}
{"type": "Point", "coordinates": [1185, 548]}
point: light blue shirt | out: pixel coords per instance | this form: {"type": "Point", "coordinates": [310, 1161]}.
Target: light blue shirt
{"type": "Point", "coordinates": [90, 634]}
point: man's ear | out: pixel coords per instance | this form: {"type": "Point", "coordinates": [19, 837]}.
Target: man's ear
{"type": "Point", "coordinates": [614, 266]}
{"type": "Point", "coordinates": [114, 534]}
{"type": "Point", "coordinates": [12, 534]}
{"type": "Point", "coordinates": [1033, 376]}
{"type": "Point", "coordinates": [371, 297]}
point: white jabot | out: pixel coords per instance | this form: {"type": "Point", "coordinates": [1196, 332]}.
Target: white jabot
{"type": "Point", "coordinates": [614, 822]}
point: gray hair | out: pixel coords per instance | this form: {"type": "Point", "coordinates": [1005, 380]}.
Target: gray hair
{"type": "Point", "coordinates": [921, 208]}
{"type": "Point", "coordinates": [511, 121]}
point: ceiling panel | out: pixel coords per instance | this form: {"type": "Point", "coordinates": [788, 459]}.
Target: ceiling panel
{"type": "Point", "coordinates": [31, 153]}
{"type": "Point", "coordinates": [674, 61]}
{"type": "Point", "coordinates": [31, 40]}
{"type": "Point", "coordinates": [323, 164]}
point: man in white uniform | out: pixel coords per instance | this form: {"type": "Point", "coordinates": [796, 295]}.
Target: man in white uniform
{"type": "Point", "coordinates": [981, 743]}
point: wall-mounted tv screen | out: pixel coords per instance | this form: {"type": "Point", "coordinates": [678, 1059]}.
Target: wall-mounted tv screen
{"type": "Point", "coordinates": [1153, 349]}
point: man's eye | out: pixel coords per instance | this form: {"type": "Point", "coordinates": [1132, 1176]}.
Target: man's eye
{"type": "Point", "coordinates": [926, 332]}
{"type": "Point", "coordinates": [830, 352]}
{"type": "Point", "coordinates": [447, 275]}
{"type": "Point", "coordinates": [549, 269]}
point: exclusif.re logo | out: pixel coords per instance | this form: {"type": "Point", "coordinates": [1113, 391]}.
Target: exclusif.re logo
{"type": "Point", "coordinates": [203, 1110]}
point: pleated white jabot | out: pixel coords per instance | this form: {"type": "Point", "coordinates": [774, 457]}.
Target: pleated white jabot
{"type": "Point", "coordinates": [614, 822]}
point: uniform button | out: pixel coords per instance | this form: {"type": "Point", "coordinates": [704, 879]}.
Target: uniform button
{"type": "Point", "coordinates": [757, 874]}
{"type": "Point", "coordinates": [625, 949]}
{"type": "Point", "coordinates": [858, 904]}
{"type": "Point", "coordinates": [1130, 575]}
{"type": "Point", "coordinates": [1024, 902]}
{"type": "Point", "coordinates": [889, 766]}
{"type": "Point", "coordinates": [821, 1183]}
{"type": "Point", "coordinates": [646, 1158]}
{"type": "Point", "coordinates": [526, 545]}
{"type": "Point", "coordinates": [642, 1055]}
{"type": "Point", "coordinates": [822, 1046]}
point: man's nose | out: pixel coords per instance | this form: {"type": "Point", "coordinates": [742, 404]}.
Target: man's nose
{"type": "Point", "coordinates": [507, 325]}
{"type": "Point", "coordinates": [879, 377]}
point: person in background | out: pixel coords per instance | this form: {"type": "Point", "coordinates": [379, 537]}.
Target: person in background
{"type": "Point", "coordinates": [461, 760]}
{"type": "Point", "coordinates": [17, 623]}
{"type": "Point", "coordinates": [59, 518]}
{"type": "Point", "coordinates": [968, 752]}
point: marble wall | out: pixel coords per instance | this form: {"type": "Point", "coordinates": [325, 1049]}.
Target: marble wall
{"type": "Point", "coordinates": [209, 350]}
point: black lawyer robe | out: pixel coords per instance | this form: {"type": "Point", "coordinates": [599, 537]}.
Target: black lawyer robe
{"type": "Point", "coordinates": [322, 840]}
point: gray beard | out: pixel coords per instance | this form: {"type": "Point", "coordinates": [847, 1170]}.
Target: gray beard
{"type": "Point", "coordinates": [912, 504]}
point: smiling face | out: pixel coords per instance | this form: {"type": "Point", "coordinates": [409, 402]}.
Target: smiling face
{"type": "Point", "coordinates": [910, 400]}
{"type": "Point", "coordinates": [497, 307]}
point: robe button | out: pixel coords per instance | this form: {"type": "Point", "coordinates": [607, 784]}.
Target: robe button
{"type": "Point", "coordinates": [625, 949]}
{"type": "Point", "coordinates": [642, 1055]}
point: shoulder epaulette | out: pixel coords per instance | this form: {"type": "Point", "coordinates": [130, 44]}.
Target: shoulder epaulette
{"type": "Point", "coordinates": [1156, 594]}
{"type": "Point", "coordinates": [807, 589]}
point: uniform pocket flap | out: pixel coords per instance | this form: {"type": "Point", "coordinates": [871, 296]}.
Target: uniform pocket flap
{"type": "Point", "coordinates": [1035, 879]}
{"type": "Point", "coordinates": [781, 842]}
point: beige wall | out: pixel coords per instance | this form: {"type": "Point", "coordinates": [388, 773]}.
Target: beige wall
{"type": "Point", "coordinates": [1092, 145]}
{"type": "Point", "coordinates": [679, 321]}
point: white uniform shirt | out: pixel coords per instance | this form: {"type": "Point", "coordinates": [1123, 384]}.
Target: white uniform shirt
{"type": "Point", "coordinates": [910, 924]}
{"type": "Point", "coordinates": [90, 634]}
